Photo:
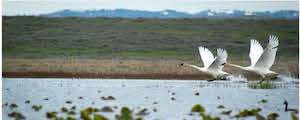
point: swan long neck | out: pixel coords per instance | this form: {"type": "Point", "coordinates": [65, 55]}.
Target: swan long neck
{"type": "Point", "coordinates": [286, 107]}
{"type": "Point", "coordinates": [193, 66]}
{"type": "Point", "coordinates": [237, 66]}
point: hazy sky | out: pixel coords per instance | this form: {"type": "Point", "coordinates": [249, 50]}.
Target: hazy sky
{"type": "Point", "coordinates": [34, 7]}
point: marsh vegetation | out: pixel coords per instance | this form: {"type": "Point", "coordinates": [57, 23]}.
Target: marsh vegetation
{"type": "Point", "coordinates": [98, 47]}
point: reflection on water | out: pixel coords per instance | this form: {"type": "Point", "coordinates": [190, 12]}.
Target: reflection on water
{"type": "Point", "coordinates": [173, 98]}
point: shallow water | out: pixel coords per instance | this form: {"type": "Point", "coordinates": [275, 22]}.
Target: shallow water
{"type": "Point", "coordinates": [137, 94]}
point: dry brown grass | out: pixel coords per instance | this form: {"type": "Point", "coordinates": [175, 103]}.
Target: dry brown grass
{"type": "Point", "coordinates": [116, 68]}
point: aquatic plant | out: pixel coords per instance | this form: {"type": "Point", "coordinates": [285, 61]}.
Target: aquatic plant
{"type": "Point", "coordinates": [267, 84]}
{"type": "Point", "coordinates": [108, 98]}
{"type": "Point", "coordinates": [198, 108]}
{"type": "Point", "coordinates": [17, 116]}
{"type": "Point", "coordinates": [69, 102]}
{"type": "Point", "coordinates": [106, 109]}
{"type": "Point", "coordinates": [272, 116]}
{"type": "Point", "coordinates": [90, 113]}
{"type": "Point", "coordinates": [37, 107]}
{"type": "Point", "coordinates": [64, 109]}
{"type": "Point", "coordinates": [246, 112]}
{"type": "Point", "coordinates": [73, 107]}
{"type": "Point", "coordinates": [221, 107]}
{"type": "Point", "coordinates": [143, 112]}
{"type": "Point", "coordinates": [99, 117]}
{"type": "Point", "coordinates": [27, 101]}
{"type": "Point", "coordinates": [13, 105]}
{"type": "Point", "coordinates": [208, 117]}
{"type": "Point", "coordinates": [154, 110]}
{"type": "Point", "coordinates": [71, 118]}
{"type": "Point", "coordinates": [226, 112]}
{"type": "Point", "coordinates": [126, 114]}
{"type": "Point", "coordinates": [85, 115]}
{"type": "Point", "coordinates": [51, 115]}
{"type": "Point", "coordinates": [172, 98]}
{"type": "Point", "coordinates": [259, 117]}
{"type": "Point", "coordinates": [263, 101]}
{"type": "Point", "coordinates": [71, 113]}
{"type": "Point", "coordinates": [294, 116]}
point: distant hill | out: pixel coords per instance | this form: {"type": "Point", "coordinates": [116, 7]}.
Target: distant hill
{"type": "Point", "coordinates": [126, 13]}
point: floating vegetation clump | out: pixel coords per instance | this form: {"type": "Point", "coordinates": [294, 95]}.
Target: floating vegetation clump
{"type": "Point", "coordinates": [294, 116]}
{"type": "Point", "coordinates": [259, 117]}
{"type": "Point", "coordinates": [272, 116]}
{"type": "Point", "coordinates": [208, 117]}
{"type": "Point", "coordinates": [221, 107]}
{"type": "Point", "coordinates": [267, 84]}
{"type": "Point", "coordinates": [73, 107]}
{"type": "Point", "coordinates": [226, 112]}
{"type": "Point", "coordinates": [69, 102]}
{"type": "Point", "coordinates": [37, 107]}
{"type": "Point", "coordinates": [246, 112]}
{"type": "Point", "coordinates": [126, 114]}
{"type": "Point", "coordinates": [17, 116]}
{"type": "Point", "coordinates": [71, 118]}
{"type": "Point", "coordinates": [99, 117]}
{"type": "Point", "coordinates": [108, 98]}
{"type": "Point", "coordinates": [27, 101]}
{"type": "Point", "coordinates": [106, 109]}
{"type": "Point", "coordinates": [90, 113]}
{"type": "Point", "coordinates": [201, 110]}
{"type": "Point", "coordinates": [198, 108]}
{"type": "Point", "coordinates": [64, 109]}
{"type": "Point", "coordinates": [13, 106]}
{"type": "Point", "coordinates": [51, 115]}
{"type": "Point", "coordinates": [263, 101]}
{"type": "Point", "coordinates": [143, 112]}
{"type": "Point", "coordinates": [71, 113]}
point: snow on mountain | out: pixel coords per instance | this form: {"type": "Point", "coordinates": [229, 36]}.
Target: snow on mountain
{"type": "Point", "coordinates": [126, 13]}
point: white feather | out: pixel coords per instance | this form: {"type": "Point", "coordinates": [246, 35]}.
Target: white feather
{"type": "Point", "coordinates": [220, 60]}
{"type": "Point", "coordinates": [256, 51]}
{"type": "Point", "coordinates": [268, 57]}
{"type": "Point", "coordinates": [206, 56]}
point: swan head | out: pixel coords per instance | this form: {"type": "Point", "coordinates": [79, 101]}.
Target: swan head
{"type": "Point", "coordinates": [285, 102]}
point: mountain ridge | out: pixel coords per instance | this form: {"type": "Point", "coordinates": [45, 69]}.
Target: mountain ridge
{"type": "Point", "coordinates": [128, 13]}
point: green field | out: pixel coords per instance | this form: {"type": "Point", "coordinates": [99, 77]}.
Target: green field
{"type": "Point", "coordinates": [96, 38]}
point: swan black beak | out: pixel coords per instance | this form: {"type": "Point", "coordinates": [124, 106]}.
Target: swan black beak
{"type": "Point", "coordinates": [181, 64]}
{"type": "Point", "coordinates": [223, 64]}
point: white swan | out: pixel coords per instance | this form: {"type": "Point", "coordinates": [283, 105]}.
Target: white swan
{"type": "Point", "coordinates": [212, 65]}
{"type": "Point", "coordinates": [261, 59]}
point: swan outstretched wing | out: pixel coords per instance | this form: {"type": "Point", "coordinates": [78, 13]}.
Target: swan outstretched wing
{"type": "Point", "coordinates": [220, 60]}
{"type": "Point", "coordinates": [206, 56]}
{"type": "Point", "coordinates": [255, 51]}
{"type": "Point", "coordinates": [268, 57]}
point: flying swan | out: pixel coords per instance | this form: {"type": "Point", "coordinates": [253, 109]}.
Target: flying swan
{"type": "Point", "coordinates": [261, 59]}
{"type": "Point", "coordinates": [212, 65]}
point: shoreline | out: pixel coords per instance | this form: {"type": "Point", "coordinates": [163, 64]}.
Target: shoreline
{"type": "Point", "coordinates": [158, 76]}
{"type": "Point", "coordinates": [122, 69]}
{"type": "Point", "coordinates": [153, 76]}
